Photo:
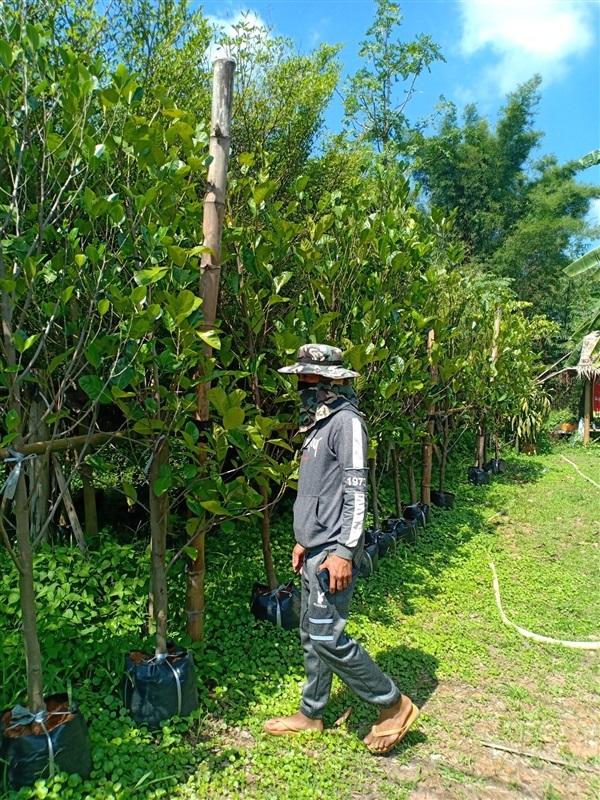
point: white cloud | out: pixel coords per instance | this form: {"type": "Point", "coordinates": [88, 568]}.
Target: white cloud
{"type": "Point", "coordinates": [526, 36]}
{"type": "Point", "coordinates": [228, 27]}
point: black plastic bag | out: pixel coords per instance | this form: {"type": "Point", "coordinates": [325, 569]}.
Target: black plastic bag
{"type": "Point", "coordinates": [65, 748]}
{"type": "Point", "coordinates": [279, 606]}
{"type": "Point", "coordinates": [443, 500]}
{"type": "Point", "coordinates": [407, 531]}
{"type": "Point", "coordinates": [369, 561]}
{"type": "Point", "coordinates": [160, 689]}
{"type": "Point", "coordinates": [480, 477]}
{"type": "Point", "coordinates": [371, 536]}
{"type": "Point", "coordinates": [386, 543]}
{"type": "Point", "coordinates": [497, 466]}
{"type": "Point", "coordinates": [418, 511]}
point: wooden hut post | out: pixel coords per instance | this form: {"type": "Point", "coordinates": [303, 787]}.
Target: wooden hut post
{"type": "Point", "coordinates": [210, 273]}
{"type": "Point", "coordinates": [588, 389]}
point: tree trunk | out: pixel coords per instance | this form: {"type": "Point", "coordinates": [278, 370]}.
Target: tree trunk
{"type": "Point", "coordinates": [588, 389]}
{"type": "Point", "coordinates": [374, 493]}
{"type": "Point", "coordinates": [427, 462]}
{"type": "Point", "coordinates": [444, 459]}
{"type": "Point", "coordinates": [210, 269]}
{"type": "Point", "coordinates": [265, 531]}
{"type": "Point", "coordinates": [159, 523]}
{"type": "Point", "coordinates": [39, 471]}
{"type": "Point", "coordinates": [397, 494]}
{"type": "Point", "coordinates": [412, 485]}
{"type": "Point", "coordinates": [33, 657]}
{"type": "Point", "coordinates": [496, 446]}
{"type": "Point", "coordinates": [480, 445]}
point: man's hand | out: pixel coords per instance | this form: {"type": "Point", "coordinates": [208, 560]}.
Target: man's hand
{"type": "Point", "coordinates": [298, 554]}
{"type": "Point", "coordinates": [340, 573]}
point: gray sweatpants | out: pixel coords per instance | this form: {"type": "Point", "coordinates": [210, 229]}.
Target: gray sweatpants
{"type": "Point", "coordinates": [327, 649]}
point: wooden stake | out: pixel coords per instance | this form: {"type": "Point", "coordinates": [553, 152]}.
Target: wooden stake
{"type": "Point", "coordinates": [69, 506]}
{"type": "Point", "coordinates": [214, 209]}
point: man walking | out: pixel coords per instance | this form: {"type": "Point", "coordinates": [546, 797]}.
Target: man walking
{"type": "Point", "coordinates": [329, 517]}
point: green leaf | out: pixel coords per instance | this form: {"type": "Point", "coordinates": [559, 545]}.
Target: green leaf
{"type": "Point", "coordinates": [587, 262]}
{"type": "Point", "coordinates": [264, 191]}
{"type": "Point", "coordinates": [218, 398]}
{"type": "Point", "coordinates": [11, 420]}
{"type": "Point", "coordinates": [233, 418]}
{"type": "Point", "coordinates": [210, 338]}
{"type": "Point", "coordinates": [228, 527]}
{"type": "Point", "coordinates": [130, 491]}
{"type": "Point", "coordinates": [145, 277]}
{"type": "Point", "coordinates": [213, 506]}
{"type": "Point", "coordinates": [161, 485]}
{"type": "Point", "coordinates": [6, 54]}
{"type": "Point", "coordinates": [103, 306]}
{"type": "Point", "coordinates": [191, 552]}
{"type": "Point", "coordinates": [192, 431]}
{"type": "Point", "coordinates": [94, 387]}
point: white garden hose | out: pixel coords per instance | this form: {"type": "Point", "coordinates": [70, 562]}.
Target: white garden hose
{"type": "Point", "coordinates": [536, 636]}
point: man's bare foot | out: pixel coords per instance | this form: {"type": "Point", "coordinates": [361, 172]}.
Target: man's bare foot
{"type": "Point", "coordinates": [397, 720]}
{"type": "Point", "coordinates": [279, 726]}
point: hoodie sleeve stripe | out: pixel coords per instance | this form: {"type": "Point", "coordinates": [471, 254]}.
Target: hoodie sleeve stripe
{"type": "Point", "coordinates": [357, 445]}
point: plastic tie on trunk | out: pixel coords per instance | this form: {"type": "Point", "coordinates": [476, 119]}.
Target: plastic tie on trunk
{"type": "Point", "coordinates": [9, 487]}
{"type": "Point", "coordinates": [22, 716]}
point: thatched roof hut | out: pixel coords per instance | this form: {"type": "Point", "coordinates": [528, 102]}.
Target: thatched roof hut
{"type": "Point", "coordinates": [588, 369]}
{"type": "Point", "coordinates": [589, 361]}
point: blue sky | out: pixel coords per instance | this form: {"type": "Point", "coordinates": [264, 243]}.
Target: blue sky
{"type": "Point", "coordinates": [490, 46]}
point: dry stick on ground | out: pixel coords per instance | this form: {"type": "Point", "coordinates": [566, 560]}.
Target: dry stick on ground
{"type": "Point", "coordinates": [597, 485]}
{"type": "Point", "coordinates": [551, 760]}
{"type": "Point", "coordinates": [536, 636]}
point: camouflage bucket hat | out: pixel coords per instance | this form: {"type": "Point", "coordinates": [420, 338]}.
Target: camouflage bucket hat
{"type": "Point", "coordinates": [319, 359]}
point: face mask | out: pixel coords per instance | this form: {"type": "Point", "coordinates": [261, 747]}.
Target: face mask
{"type": "Point", "coordinates": [320, 400]}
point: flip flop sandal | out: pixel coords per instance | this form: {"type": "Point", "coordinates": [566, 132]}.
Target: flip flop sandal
{"type": "Point", "coordinates": [399, 733]}
{"type": "Point", "coordinates": [287, 728]}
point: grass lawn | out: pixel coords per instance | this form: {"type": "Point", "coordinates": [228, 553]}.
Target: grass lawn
{"type": "Point", "coordinates": [430, 619]}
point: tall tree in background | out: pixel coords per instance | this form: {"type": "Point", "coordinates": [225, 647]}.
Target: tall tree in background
{"type": "Point", "coordinates": [378, 94]}
{"type": "Point", "coordinates": [517, 219]}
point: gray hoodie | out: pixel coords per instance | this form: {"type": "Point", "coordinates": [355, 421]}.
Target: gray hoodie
{"type": "Point", "coordinates": [332, 485]}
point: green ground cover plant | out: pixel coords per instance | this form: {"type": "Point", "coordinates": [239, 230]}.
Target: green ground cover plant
{"type": "Point", "coordinates": [428, 616]}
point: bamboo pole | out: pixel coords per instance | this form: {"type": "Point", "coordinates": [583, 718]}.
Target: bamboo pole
{"type": "Point", "coordinates": [210, 274]}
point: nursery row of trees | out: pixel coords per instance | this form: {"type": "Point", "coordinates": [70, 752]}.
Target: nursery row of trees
{"type": "Point", "coordinates": [106, 351]}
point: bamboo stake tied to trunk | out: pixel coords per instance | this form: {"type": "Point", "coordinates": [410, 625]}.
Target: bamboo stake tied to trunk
{"type": "Point", "coordinates": [210, 274]}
